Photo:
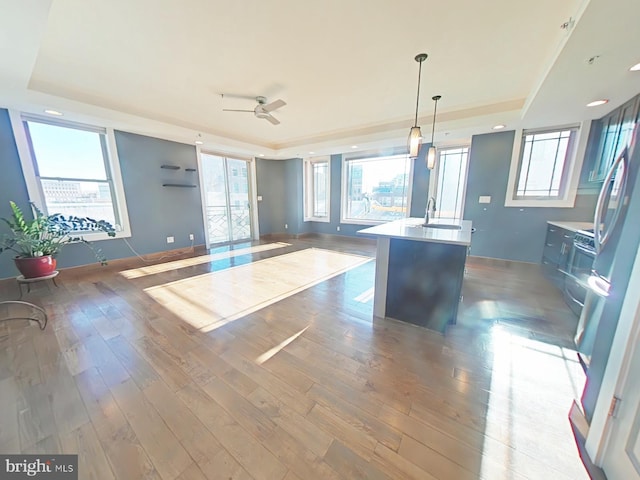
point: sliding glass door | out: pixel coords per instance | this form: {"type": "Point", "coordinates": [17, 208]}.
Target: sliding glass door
{"type": "Point", "coordinates": [226, 201]}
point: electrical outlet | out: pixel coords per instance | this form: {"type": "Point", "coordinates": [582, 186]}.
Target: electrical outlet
{"type": "Point", "coordinates": [191, 236]}
{"type": "Point", "coordinates": [338, 228]}
{"type": "Point", "coordinates": [170, 239]}
{"type": "Point", "coordinates": [286, 226]}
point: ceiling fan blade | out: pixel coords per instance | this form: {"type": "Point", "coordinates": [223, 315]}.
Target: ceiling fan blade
{"type": "Point", "coordinates": [273, 120]}
{"type": "Point", "coordinates": [270, 107]}
{"type": "Point", "coordinates": [232, 110]}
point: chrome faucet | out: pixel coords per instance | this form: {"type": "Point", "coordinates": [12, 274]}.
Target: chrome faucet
{"type": "Point", "coordinates": [430, 211]}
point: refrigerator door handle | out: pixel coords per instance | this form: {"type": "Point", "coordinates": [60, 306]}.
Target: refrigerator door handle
{"type": "Point", "coordinates": [601, 236]}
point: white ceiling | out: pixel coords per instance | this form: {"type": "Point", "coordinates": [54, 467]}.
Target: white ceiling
{"type": "Point", "coordinates": [345, 68]}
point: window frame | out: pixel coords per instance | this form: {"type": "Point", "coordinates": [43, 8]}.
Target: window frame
{"type": "Point", "coordinates": [308, 190]}
{"type": "Point", "coordinates": [434, 177]}
{"type": "Point", "coordinates": [573, 167]}
{"type": "Point", "coordinates": [112, 166]}
{"type": "Point", "coordinates": [343, 190]}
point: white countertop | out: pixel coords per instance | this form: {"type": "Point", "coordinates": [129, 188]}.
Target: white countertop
{"type": "Point", "coordinates": [412, 229]}
{"type": "Point", "coordinates": [572, 226]}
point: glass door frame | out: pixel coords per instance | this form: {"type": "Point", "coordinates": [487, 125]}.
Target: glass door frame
{"type": "Point", "coordinates": [252, 187]}
{"type": "Point", "coordinates": [434, 175]}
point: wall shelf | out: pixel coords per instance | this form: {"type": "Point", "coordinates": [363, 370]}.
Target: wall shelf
{"type": "Point", "coordinates": [170, 167]}
{"type": "Point", "coordinates": [189, 169]}
{"type": "Point", "coordinates": [184, 185]}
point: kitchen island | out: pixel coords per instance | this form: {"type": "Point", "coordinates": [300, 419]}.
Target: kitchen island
{"type": "Point", "coordinates": [419, 270]}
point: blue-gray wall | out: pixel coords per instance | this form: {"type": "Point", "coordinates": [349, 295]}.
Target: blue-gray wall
{"type": "Point", "coordinates": [510, 233]}
{"type": "Point", "coordinates": [294, 201]}
{"type": "Point", "coordinates": [12, 186]}
{"type": "Point", "coordinates": [420, 183]}
{"type": "Point", "coordinates": [271, 187]}
{"type": "Point", "coordinates": [155, 212]}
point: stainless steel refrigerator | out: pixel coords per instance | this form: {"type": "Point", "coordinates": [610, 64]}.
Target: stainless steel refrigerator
{"type": "Point", "coordinates": [617, 237]}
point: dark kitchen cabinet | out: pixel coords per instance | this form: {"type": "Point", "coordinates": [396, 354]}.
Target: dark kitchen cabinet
{"type": "Point", "coordinates": [613, 133]}
{"type": "Point", "coordinates": [555, 255]}
{"type": "Point", "coordinates": [424, 282]}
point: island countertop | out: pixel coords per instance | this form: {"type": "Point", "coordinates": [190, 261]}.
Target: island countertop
{"type": "Point", "coordinates": [412, 229]}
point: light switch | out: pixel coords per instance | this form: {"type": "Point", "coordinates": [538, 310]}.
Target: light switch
{"type": "Point", "coordinates": [259, 198]}
{"type": "Point", "coordinates": [484, 199]}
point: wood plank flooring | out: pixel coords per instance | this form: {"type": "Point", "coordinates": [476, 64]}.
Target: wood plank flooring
{"type": "Point", "coordinates": [309, 387]}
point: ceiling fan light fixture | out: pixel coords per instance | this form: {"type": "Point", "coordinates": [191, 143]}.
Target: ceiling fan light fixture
{"type": "Point", "coordinates": [263, 109]}
{"type": "Point", "coordinates": [415, 135]}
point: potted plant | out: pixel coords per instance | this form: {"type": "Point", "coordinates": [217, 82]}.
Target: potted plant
{"type": "Point", "coordinates": [36, 241]}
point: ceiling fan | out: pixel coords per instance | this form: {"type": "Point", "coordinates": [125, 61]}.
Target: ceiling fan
{"type": "Point", "coordinates": [263, 109]}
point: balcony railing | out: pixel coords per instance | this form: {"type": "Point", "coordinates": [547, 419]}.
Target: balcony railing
{"type": "Point", "coordinates": [228, 224]}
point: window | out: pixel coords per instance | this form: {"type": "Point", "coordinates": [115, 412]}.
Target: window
{"type": "Point", "coordinates": [545, 166]}
{"type": "Point", "coordinates": [317, 188]}
{"type": "Point", "coordinates": [450, 180]}
{"type": "Point", "coordinates": [376, 189]}
{"type": "Point", "coordinates": [71, 169]}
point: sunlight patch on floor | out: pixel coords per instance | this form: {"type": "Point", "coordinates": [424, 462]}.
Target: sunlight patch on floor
{"type": "Point", "coordinates": [190, 262]}
{"type": "Point", "coordinates": [214, 299]}
{"type": "Point", "coordinates": [526, 376]}
{"type": "Point", "coordinates": [272, 351]}
{"type": "Point", "coordinates": [365, 296]}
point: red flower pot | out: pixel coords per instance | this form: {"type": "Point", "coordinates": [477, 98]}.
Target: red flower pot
{"type": "Point", "coordinates": [36, 267]}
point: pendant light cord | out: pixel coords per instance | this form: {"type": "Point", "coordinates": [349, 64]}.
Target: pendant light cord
{"type": "Point", "coordinates": [435, 109]}
{"type": "Point", "coordinates": [415, 124]}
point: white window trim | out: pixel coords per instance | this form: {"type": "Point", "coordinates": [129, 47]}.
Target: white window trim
{"type": "Point", "coordinates": [307, 168]}
{"type": "Point", "coordinates": [343, 191]}
{"type": "Point", "coordinates": [574, 167]}
{"type": "Point", "coordinates": [435, 173]}
{"type": "Point", "coordinates": [34, 190]}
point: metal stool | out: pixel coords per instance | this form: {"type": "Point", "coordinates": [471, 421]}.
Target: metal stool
{"type": "Point", "coordinates": [41, 318]}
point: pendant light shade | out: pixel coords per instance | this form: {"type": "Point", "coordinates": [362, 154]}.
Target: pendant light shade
{"type": "Point", "coordinates": [415, 135]}
{"type": "Point", "coordinates": [431, 155]}
{"type": "Point", "coordinates": [415, 139]}
{"type": "Point", "coordinates": [431, 158]}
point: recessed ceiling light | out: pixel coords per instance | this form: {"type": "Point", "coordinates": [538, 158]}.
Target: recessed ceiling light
{"type": "Point", "coordinates": [596, 103]}
{"type": "Point", "coordinates": [311, 153]}
{"type": "Point", "coordinates": [199, 142]}
{"type": "Point", "coordinates": [53, 112]}
{"type": "Point", "coordinates": [261, 155]}
{"type": "Point", "coordinates": [499, 127]}
{"type": "Point", "coordinates": [635, 68]}
{"type": "Point", "coordinates": [354, 146]}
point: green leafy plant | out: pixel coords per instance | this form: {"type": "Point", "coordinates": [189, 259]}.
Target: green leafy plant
{"type": "Point", "coordinates": [48, 234]}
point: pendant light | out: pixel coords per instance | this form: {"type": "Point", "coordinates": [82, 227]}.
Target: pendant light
{"type": "Point", "coordinates": [431, 155]}
{"type": "Point", "coordinates": [415, 135]}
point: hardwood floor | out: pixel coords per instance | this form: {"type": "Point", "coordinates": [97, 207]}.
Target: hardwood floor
{"type": "Point", "coordinates": [308, 387]}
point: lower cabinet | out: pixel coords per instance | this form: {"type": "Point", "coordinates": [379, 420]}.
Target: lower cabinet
{"type": "Point", "coordinates": [424, 282]}
{"type": "Point", "coordinates": [555, 255]}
